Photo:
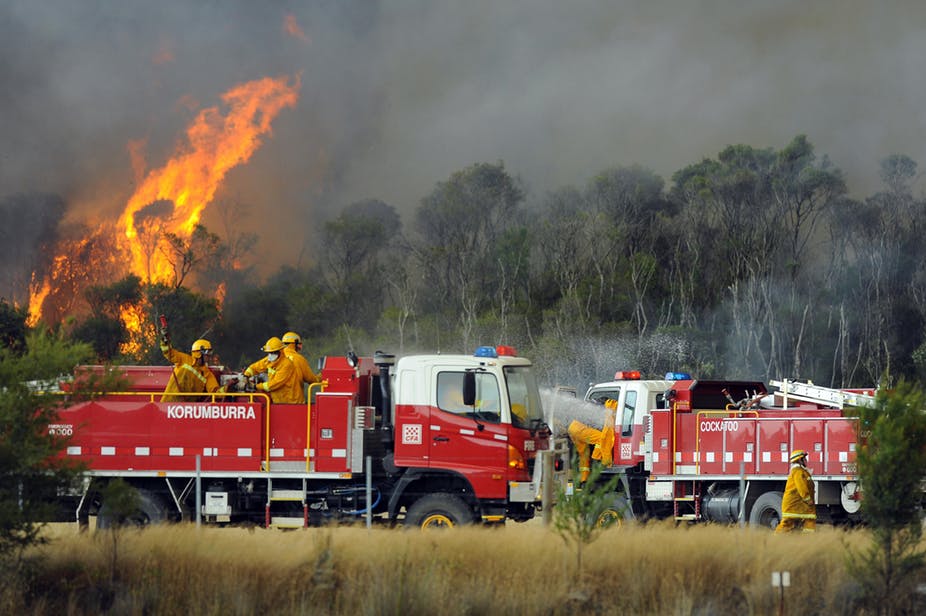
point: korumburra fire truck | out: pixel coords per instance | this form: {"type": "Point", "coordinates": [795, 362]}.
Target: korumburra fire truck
{"type": "Point", "coordinates": [704, 450]}
{"type": "Point", "coordinates": [427, 440]}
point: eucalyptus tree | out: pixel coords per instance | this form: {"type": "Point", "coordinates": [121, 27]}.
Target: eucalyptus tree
{"type": "Point", "coordinates": [565, 235]}
{"type": "Point", "coordinates": [356, 245]}
{"type": "Point", "coordinates": [631, 210]}
{"type": "Point", "coordinates": [885, 276]}
{"type": "Point", "coordinates": [457, 230]}
{"type": "Point", "coordinates": [750, 218]}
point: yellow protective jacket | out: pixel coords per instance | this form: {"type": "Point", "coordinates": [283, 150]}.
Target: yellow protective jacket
{"type": "Point", "coordinates": [303, 370]}
{"type": "Point", "coordinates": [258, 367]}
{"type": "Point", "coordinates": [798, 500]}
{"type": "Point", "coordinates": [188, 376]}
{"type": "Point", "coordinates": [283, 384]}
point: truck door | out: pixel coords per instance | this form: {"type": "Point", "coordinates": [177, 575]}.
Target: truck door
{"type": "Point", "coordinates": [471, 440]}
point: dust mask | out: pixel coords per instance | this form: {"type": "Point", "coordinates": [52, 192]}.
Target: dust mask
{"type": "Point", "coordinates": [272, 357]}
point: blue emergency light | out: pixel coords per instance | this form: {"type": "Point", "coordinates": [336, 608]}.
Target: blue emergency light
{"type": "Point", "coordinates": [678, 376]}
{"type": "Point", "coordinates": [486, 351]}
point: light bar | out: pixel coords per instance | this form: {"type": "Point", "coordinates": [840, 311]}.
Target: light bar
{"type": "Point", "coordinates": [486, 351]}
{"type": "Point", "coordinates": [627, 375]}
{"type": "Point", "coordinates": [678, 376]}
{"type": "Point", "coordinates": [506, 351]}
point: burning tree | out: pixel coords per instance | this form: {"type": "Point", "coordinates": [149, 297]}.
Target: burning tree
{"type": "Point", "coordinates": [158, 237]}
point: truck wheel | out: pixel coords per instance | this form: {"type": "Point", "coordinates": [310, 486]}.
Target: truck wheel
{"type": "Point", "coordinates": [150, 511]}
{"type": "Point", "coordinates": [767, 510]}
{"type": "Point", "coordinates": [615, 514]}
{"type": "Point", "coordinates": [439, 511]}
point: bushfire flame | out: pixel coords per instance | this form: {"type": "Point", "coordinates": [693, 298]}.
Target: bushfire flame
{"type": "Point", "coordinates": [171, 199]}
{"type": "Point", "coordinates": [189, 180]}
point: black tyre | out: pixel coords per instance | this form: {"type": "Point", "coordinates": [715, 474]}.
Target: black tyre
{"type": "Point", "coordinates": [151, 510]}
{"type": "Point", "coordinates": [766, 511]}
{"type": "Point", "coordinates": [439, 511]}
{"type": "Point", "coordinates": [616, 514]}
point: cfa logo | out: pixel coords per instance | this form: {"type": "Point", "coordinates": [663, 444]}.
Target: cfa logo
{"type": "Point", "coordinates": [411, 434]}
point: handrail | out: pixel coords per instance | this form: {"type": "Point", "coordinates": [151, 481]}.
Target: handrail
{"type": "Point", "coordinates": [698, 431]}
{"type": "Point", "coordinates": [308, 423]}
{"type": "Point", "coordinates": [151, 395]}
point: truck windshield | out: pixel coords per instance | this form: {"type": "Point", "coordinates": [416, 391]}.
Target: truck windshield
{"type": "Point", "coordinates": [524, 396]}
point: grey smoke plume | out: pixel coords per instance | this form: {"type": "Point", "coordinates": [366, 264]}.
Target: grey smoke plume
{"type": "Point", "coordinates": [397, 95]}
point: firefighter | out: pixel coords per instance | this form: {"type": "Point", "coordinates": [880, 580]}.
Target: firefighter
{"type": "Point", "coordinates": [191, 372]}
{"type": "Point", "coordinates": [283, 384]}
{"type": "Point", "coordinates": [293, 343]}
{"type": "Point", "coordinates": [798, 509]}
{"type": "Point", "coordinates": [602, 440]}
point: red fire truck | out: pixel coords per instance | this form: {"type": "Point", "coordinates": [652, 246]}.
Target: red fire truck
{"type": "Point", "coordinates": [428, 440]}
{"type": "Point", "coordinates": [704, 450]}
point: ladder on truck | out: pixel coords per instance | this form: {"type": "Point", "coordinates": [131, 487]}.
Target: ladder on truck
{"type": "Point", "coordinates": [686, 497]}
{"type": "Point", "coordinates": [838, 398]}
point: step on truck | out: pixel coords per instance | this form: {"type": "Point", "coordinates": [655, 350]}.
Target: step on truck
{"type": "Point", "coordinates": [718, 451]}
{"type": "Point", "coordinates": [425, 440]}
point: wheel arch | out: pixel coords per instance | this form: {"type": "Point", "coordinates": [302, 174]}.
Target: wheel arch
{"type": "Point", "coordinates": [416, 483]}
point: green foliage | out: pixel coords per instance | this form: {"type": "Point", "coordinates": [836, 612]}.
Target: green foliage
{"type": "Point", "coordinates": [577, 517]}
{"type": "Point", "coordinates": [892, 465]}
{"type": "Point", "coordinates": [12, 327]}
{"type": "Point", "coordinates": [104, 334]}
{"type": "Point", "coordinates": [190, 316]}
{"type": "Point", "coordinates": [30, 471]}
{"type": "Point", "coordinates": [122, 502]}
{"type": "Point", "coordinates": [756, 253]}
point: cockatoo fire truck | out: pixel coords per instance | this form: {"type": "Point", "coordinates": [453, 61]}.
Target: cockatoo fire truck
{"type": "Point", "coordinates": [428, 440]}
{"type": "Point", "coordinates": [702, 450]}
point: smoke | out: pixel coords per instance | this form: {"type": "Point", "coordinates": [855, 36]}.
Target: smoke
{"type": "Point", "coordinates": [396, 96]}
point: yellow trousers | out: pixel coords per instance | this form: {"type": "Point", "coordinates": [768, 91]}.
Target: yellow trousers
{"type": "Point", "coordinates": [793, 524]}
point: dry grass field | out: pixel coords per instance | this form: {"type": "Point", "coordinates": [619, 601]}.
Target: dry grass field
{"type": "Point", "coordinates": [656, 568]}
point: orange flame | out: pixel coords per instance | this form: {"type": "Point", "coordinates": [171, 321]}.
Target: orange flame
{"type": "Point", "coordinates": [132, 317]}
{"type": "Point", "coordinates": [170, 199]}
{"type": "Point", "coordinates": [189, 180]}
{"type": "Point", "coordinates": [37, 295]}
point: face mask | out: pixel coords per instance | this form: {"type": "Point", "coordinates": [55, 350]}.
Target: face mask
{"type": "Point", "coordinates": [272, 357]}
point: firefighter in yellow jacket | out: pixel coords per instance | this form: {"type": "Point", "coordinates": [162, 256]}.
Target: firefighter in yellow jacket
{"type": "Point", "coordinates": [283, 384]}
{"type": "Point", "coordinates": [602, 441]}
{"type": "Point", "coordinates": [191, 372]}
{"type": "Point", "coordinates": [293, 343]}
{"type": "Point", "coordinates": [798, 507]}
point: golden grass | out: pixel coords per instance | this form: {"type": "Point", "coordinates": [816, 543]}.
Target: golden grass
{"type": "Point", "coordinates": [656, 568]}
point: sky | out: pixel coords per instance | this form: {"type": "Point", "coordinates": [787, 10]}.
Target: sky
{"type": "Point", "coordinates": [396, 96]}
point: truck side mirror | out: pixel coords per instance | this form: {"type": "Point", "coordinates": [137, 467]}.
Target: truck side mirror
{"type": "Point", "coordinates": [469, 388]}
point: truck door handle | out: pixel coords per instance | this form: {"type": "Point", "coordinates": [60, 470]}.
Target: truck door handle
{"type": "Point", "coordinates": [441, 438]}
